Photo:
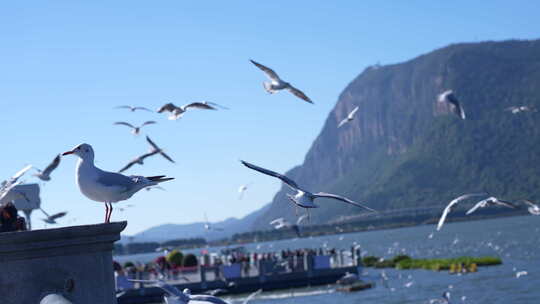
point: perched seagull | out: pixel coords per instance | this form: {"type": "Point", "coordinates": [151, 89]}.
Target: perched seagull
{"type": "Point", "coordinates": [452, 204]}
{"type": "Point", "coordinates": [348, 279]}
{"type": "Point", "coordinates": [532, 208]}
{"type": "Point", "coordinates": [45, 175]}
{"type": "Point", "coordinates": [178, 112]}
{"type": "Point", "coordinates": [303, 198]}
{"type": "Point", "coordinates": [276, 84]}
{"type": "Point", "coordinates": [133, 109]}
{"type": "Point", "coordinates": [140, 159]}
{"type": "Point", "coordinates": [7, 193]}
{"type": "Point", "coordinates": [519, 109]}
{"type": "Point", "coordinates": [51, 219]}
{"type": "Point", "coordinates": [349, 118]}
{"type": "Point", "coordinates": [450, 98]}
{"type": "Point", "coordinates": [135, 130]}
{"type": "Point", "coordinates": [107, 187]}
{"type": "Point", "coordinates": [490, 201]}
{"type": "Point", "coordinates": [444, 300]}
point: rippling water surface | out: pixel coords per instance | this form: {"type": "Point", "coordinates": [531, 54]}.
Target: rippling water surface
{"type": "Point", "coordinates": [516, 240]}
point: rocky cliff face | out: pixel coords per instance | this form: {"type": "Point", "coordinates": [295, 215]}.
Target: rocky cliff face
{"type": "Point", "coordinates": [402, 140]}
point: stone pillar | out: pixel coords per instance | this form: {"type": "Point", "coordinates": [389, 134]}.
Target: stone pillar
{"type": "Point", "coordinates": [75, 262]}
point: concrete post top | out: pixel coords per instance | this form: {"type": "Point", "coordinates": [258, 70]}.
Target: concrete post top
{"type": "Point", "coordinates": [25, 243]}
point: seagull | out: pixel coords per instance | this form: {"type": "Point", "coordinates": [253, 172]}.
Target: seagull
{"type": "Point", "coordinates": [241, 190]}
{"type": "Point", "coordinates": [519, 109]}
{"type": "Point", "coordinates": [208, 226]}
{"type": "Point", "coordinates": [349, 118]}
{"type": "Point", "coordinates": [281, 223]}
{"type": "Point", "coordinates": [348, 279]}
{"type": "Point", "coordinates": [450, 98]}
{"type": "Point", "coordinates": [107, 187]}
{"type": "Point", "coordinates": [444, 300]}
{"type": "Point", "coordinates": [490, 201]}
{"type": "Point", "coordinates": [140, 159]}
{"type": "Point", "coordinates": [7, 192]}
{"type": "Point", "coordinates": [277, 84]}
{"type": "Point", "coordinates": [303, 198]}
{"type": "Point", "coordinates": [51, 219]}
{"type": "Point", "coordinates": [521, 273]}
{"type": "Point", "coordinates": [136, 130]}
{"type": "Point", "coordinates": [533, 208]}
{"type": "Point", "coordinates": [133, 109]}
{"type": "Point", "coordinates": [45, 175]}
{"type": "Point", "coordinates": [178, 112]}
{"type": "Point", "coordinates": [452, 204]}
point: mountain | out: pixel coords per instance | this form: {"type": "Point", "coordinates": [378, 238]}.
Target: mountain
{"type": "Point", "coordinates": [403, 149]}
{"type": "Point", "coordinates": [167, 232]}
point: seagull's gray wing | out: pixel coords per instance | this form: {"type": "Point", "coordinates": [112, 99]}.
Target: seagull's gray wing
{"type": "Point", "coordinates": [215, 105]}
{"type": "Point", "coordinates": [341, 198]}
{"type": "Point", "coordinates": [252, 295]}
{"type": "Point", "coordinates": [298, 93]}
{"type": "Point", "coordinates": [268, 71]}
{"type": "Point", "coordinates": [283, 178]}
{"type": "Point", "coordinates": [167, 157]}
{"type": "Point", "coordinates": [458, 108]}
{"type": "Point", "coordinates": [57, 215]}
{"type": "Point", "coordinates": [152, 143]}
{"type": "Point", "coordinates": [480, 204]}
{"type": "Point", "coordinates": [52, 166]}
{"type": "Point", "coordinates": [123, 107]}
{"type": "Point", "coordinates": [199, 105]}
{"type": "Point", "coordinates": [505, 204]}
{"type": "Point", "coordinates": [129, 165]}
{"type": "Point", "coordinates": [167, 107]}
{"type": "Point", "coordinates": [531, 204]}
{"type": "Point", "coordinates": [142, 108]}
{"type": "Point", "coordinates": [150, 122]}
{"type": "Point", "coordinates": [46, 214]}
{"type": "Point", "coordinates": [111, 179]}
{"type": "Point", "coordinates": [124, 124]}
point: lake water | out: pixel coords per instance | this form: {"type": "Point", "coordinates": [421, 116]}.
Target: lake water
{"type": "Point", "coordinates": [516, 240]}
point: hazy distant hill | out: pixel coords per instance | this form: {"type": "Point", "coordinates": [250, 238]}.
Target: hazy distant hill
{"type": "Point", "coordinates": [183, 231]}
{"type": "Point", "coordinates": [404, 150]}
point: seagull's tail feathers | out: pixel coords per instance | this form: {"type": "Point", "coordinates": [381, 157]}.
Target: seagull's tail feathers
{"type": "Point", "coordinates": [159, 178]}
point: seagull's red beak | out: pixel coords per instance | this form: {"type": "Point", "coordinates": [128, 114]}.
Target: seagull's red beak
{"type": "Point", "coordinates": [68, 153]}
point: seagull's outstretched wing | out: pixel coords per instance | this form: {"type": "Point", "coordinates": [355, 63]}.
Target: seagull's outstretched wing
{"type": "Point", "coordinates": [20, 173]}
{"type": "Point", "coordinates": [279, 220]}
{"type": "Point", "coordinates": [341, 123]}
{"type": "Point", "coordinates": [341, 198]}
{"type": "Point", "coordinates": [57, 215]}
{"type": "Point", "coordinates": [52, 166]}
{"type": "Point", "coordinates": [529, 203]}
{"type": "Point", "coordinates": [199, 105]}
{"type": "Point", "coordinates": [452, 203]}
{"type": "Point", "coordinates": [268, 71]}
{"type": "Point", "coordinates": [353, 112]}
{"type": "Point", "coordinates": [480, 204]}
{"type": "Point", "coordinates": [129, 165]}
{"type": "Point", "coordinates": [505, 204]}
{"type": "Point", "coordinates": [142, 108]}
{"type": "Point", "coordinates": [123, 107]}
{"type": "Point", "coordinates": [301, 219]}
{"type": "Point", "coordinates": [283, 178]}
{"type": "Point", "coordinates": [150, 122]}
{"type": "Point", "coordinates": [123, 123]}
{"type": "Point", "coordinates": [152, 143]}
{"type": "Point", "coordinates": [216, 105]}
{"type": "Point", "coordinates": [298, 93]}
{"type": "Point", "coordinates": [251, 296]}
{"type": "Point", "coordinates": [169, 289]}
{"type": "Point", "coordinates": [167, 107]}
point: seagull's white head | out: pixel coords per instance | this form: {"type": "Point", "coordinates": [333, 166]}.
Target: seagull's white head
{"type": "Point", "coordinates": [83, 151]}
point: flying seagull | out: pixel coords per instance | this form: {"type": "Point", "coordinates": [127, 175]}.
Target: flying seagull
{"type": "Point", "coordinates": [449, 98]}
{"type": "Point", "coordinates": [135, 130]}
{"type": "Point", "coordinates": [276, 84]}
{"type": "Point", "coordinates": [252, 295]}
{"type": "Point", "coordinates": [452, 205]}
{"type": "Point", "coordinates": [490, 201]}
{"type": "Point", "coordinates": [51, 219]}
{"type": "Point", "coordinates": [348, 118]}
{"type": "Point", "coordinates": [519, 109]}
{"type": "Point", "coordinates": [208, 226]}
{"type": "Point", "coordinates": [282, 223]}
{"type": "Point", "coordinates": [7, 192]}
{"type": "Point", "coordinates": [532, 208]}
{"type": "Point", "coordinates": [175, 296]}
{"type": "Point", "coordinates": [107, 187]}
{"type": "Point", "coordinates": [133, 109]}
{"type": "Point", "coordinates": [45, 175]}
{"type": "Point", "coordinates": [241, 190]}
{"type": "Point", "coordinates": [303, 198]}
{"type": "Point", "coordinates": [178, 112]}
{"type": "Point", "coordinates": [140, 159]}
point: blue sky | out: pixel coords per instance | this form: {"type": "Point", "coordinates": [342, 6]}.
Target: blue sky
{"type": "Point", "coordinates": [66, 64]}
